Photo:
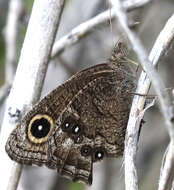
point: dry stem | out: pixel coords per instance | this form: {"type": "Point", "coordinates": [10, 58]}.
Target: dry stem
{"type": "Point", "coordinates": [83, 29]}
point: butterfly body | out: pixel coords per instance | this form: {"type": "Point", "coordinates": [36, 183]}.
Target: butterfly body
{"type": "Point", "coordinates": [80, 122]}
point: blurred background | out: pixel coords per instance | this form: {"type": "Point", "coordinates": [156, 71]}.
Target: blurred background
{"type": "Point", "coordinates": [96, 48]}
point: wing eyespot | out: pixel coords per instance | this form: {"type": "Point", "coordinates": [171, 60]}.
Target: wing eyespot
{"type": "Point", "coordinates": [73, 128]}
{"type": "Point", "coordinates": [98, 154]}
{"type": "Point", "coordinates": [86, 150]}
{"type": "Point", "coordinates": [39, 128]}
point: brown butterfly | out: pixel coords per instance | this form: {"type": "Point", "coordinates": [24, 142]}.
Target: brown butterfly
{"type": "Point", "coordinates": [78, 123]}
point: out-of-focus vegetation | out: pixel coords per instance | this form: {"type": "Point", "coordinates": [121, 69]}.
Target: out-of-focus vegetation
{"type": "Point", "coordinates": [28, 4]}
{"type": "Point", "coordinates": [75, 186]}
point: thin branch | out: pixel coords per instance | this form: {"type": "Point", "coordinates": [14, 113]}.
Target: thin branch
{"type": "Point", "coordinates": [4, 91]}
{"type": "Point", "coordinates": [130, 5]}
{"type": "Point", "coordinates": [166, 176]}
{"type": "Point", "coordinates": [83, 29]}
{"type": "Point", "coordinates": [15, 176]}
{"type": "Point", "coordinates": [11, 32]}
{"type": "Point", "coordinates": [167, 168]}
{"type": "Point", "coordinates": [161, 46]}
{"type": "Point", "coordinates": [29, 77]}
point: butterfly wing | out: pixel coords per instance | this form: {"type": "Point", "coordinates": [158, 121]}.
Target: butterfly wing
{"type": "Point", "coordinates": [26, 145]}
{"type": "Point", "coordinates": [78, 123]}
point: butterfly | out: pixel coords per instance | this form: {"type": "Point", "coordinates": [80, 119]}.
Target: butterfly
{"type": "Point", "coordinates": [80, 122]}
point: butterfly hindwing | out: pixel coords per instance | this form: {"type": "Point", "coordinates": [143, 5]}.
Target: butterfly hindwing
{"type": "Point", "coordinates": [78, 123]}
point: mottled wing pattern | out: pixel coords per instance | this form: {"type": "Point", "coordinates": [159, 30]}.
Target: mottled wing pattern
{"type": "Point", "coordinates": [80, 122]}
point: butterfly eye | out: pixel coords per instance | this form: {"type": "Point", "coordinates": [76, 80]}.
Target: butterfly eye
{"type": "Point", "coordinates": [39, 128]}
{"type": "Point", "coordinates": [86, 150]}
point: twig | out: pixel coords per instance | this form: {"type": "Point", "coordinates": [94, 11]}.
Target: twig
{"type": "Point", "coordinates": [172, 186]}
{"type": "Point", "coordinates": [166, 176]}
{"type": "Point", "coordinates": [130, 5]}
{"type": "Point", "coordinates": [4, 90]}
{"type": "Point", "coordinates": [29, 77]}
{"type": "Point", "coordinates": [11, 32]}
{"type": "Point", "coordinates": [166, 173]}
{"type": "Point", "coordinates": [161, 46]}
{"type": "Point", "coordinates": [83, 29]}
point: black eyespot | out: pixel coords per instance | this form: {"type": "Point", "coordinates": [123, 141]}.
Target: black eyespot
{"type": "Point", "coordinates": [67, 124]}
{"type": "Point", "coordinates": [76, 129]}
{"type": "Point", "coordinates": [40, 128]}
{"type": "Point", "coordinates": [78, 139]}
{"type": "Point", "coordinates": [86, 150]}
{"type": "Point", "coordinates": [71, 126]}
{"type": "Point", "coordinates": [99, 154]}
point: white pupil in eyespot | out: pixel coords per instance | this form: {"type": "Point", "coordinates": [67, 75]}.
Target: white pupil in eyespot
{"type": "Point", "coordinates": [66, 125]}
{"type": "Point", "coordinates": [76, 129]}
{"type": "Point", "coordinates": [99, 155]}
{"type": "Point", "coordinates": [40, 127]}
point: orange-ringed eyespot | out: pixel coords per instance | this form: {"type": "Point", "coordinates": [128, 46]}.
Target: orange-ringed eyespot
{"type": "Point", "coordinates": [40, 128]}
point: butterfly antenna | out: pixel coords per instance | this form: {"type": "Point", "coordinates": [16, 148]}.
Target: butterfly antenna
{"type": "Point", "coordinates": [149, 96]}
{"type": "Point", "coordinates": [133, 62]}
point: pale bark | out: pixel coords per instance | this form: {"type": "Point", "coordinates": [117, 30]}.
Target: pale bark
{"type": "Point", "coordinates": [31, 70]}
